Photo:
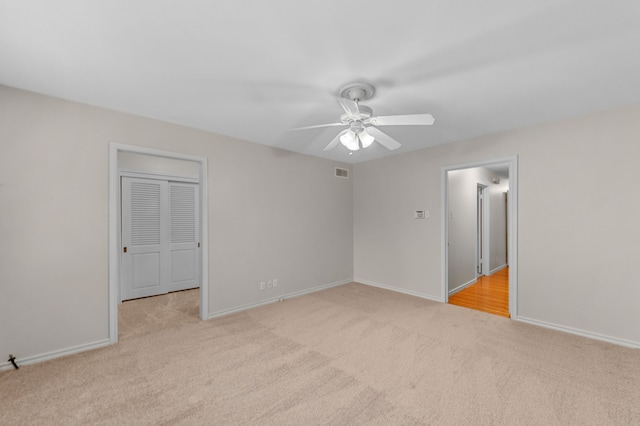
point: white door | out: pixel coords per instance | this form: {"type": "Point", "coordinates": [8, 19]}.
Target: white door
{"type": "Point", "coordinates": [159, 237]}
{"type": "Point", "coordinates": [184, 236]}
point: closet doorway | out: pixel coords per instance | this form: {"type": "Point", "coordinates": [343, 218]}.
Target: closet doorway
{"type": "Point", "coordinates": [173, 256]}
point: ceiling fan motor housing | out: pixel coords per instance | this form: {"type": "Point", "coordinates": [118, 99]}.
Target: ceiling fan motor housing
{"type": "Point", "coordinates": [365, 114]}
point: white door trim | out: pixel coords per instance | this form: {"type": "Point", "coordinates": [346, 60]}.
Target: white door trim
{"type": "Point", "coordinates": [486, 234]}
{"type": "Point", "coordinates": [512, 208]}
{"type": "Point", "coordinates": [114, 235]}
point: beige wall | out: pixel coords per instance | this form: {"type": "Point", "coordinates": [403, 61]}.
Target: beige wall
{"type": "Point", "coordinates": [498, 219]}
{"type": "Point", "coordinates": [272, 214]}
{"type": "Point", "coordinates": [578, 220]}
{"type": "Point", "coordinates": [276, 214]}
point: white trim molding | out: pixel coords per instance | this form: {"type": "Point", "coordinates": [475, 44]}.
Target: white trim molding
{"type": "Point", "coordinates": [498, 269]}
{"type": "Point", "coordinates": [463, 286]}
{"type": "Point", "coordinates": [579, 332]}
{"type": "Point", "coordinates": [277, 299]}
{"type": "Point", "coordinates": [56, 354]}
{"type": "Point", "coordinates": [398, 290]}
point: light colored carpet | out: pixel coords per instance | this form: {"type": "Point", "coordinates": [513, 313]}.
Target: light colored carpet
{"type": "Point", "coordinates": [349, 355]}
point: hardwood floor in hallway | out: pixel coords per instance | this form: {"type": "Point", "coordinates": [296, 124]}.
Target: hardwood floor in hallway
{"type": "Point", "coordinates": [490, 294]}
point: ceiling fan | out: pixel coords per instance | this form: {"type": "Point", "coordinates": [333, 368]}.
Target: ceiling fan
{"type": "Point", "coordinates": [363, 125]}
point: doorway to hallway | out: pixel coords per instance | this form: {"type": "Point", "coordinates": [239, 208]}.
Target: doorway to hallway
{"type": "Point", "coordinates": [489, 294]}
{"type": "Point", "coordinates": [479, 241]}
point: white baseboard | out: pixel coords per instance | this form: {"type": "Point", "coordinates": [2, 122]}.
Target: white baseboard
{"type": "Point", "coordinates": [463, 286]}
{"type": "Point", "coordinates": [398, 290]}
{"type": "Point", "coordinates": [570, 330]}
{"type": "Point", "coordinates": [277, 299]}
{"type": "Point", "coordinates": [102, 343]}
{"type": "Point", "coordinates": [55, 354]}
{"type": "Point", "coordinates": [578, 332]}
{"type": "Point", "coordinates": [499, 268]}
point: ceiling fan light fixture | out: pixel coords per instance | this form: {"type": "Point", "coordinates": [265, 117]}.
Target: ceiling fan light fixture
{"type": "Point", "coordinates": [350, 141]}
{"type": "Point", "coordinates": [365, 138]}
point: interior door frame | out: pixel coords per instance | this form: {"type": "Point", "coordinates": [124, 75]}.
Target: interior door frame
{"type": "Point", "coordinates": [114, 228]}
{"type": "Point", "coordinates": [483, 223]}
{"type": "Point", "coordinates": [512, 225]}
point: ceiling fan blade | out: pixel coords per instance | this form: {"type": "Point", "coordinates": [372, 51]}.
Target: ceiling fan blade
{"type": "Point", "coordinates": [384, 139]}
{"type": "Point", "coordinates": [317, 126]}
{"type": "Point", "coordinates": [335, 140]}
{"type": "Point", "coordinates": [350, 107]}
{"type": "Point", "coordinates": [403, 120]}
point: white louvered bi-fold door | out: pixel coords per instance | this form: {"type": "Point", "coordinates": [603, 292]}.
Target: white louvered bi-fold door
{"type": "Point", "coordinates": [159, 237]}
{"type": "Point", "coordinates": [184, 236]}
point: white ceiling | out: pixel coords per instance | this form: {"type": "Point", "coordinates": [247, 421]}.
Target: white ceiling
{"type": "Point", "coordinates": [255, 68]}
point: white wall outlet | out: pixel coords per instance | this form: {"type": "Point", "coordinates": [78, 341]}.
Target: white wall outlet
{"type": "Point", "coordinates": [275, 282]}
{"type": "Point", "coordinates": [269, 284]}
{"type": "Point", "coordinates": [261, 285]}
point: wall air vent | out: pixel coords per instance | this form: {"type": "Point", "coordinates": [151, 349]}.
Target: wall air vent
{"type": "Point", "coordinates": [342, 173]}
